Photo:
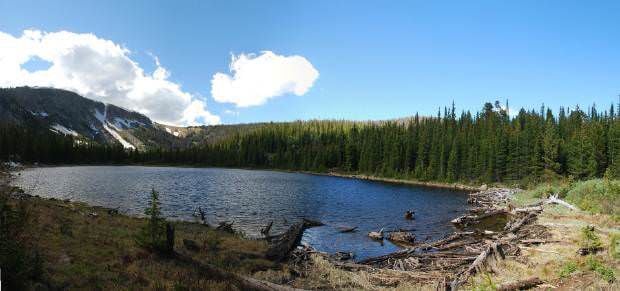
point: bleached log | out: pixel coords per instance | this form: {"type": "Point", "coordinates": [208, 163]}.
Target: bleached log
{"type": "Point", "coordinates": [519, 223]}
{"type": "Point", "coordinates": [521, 284]}
{"type": "Point", "coordinates": [527, 209]}
{"type": "Point", "coordinates": [553, 199]}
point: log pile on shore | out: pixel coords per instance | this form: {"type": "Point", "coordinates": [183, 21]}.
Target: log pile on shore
{"type": "Point", "coordinates": [453, 259]}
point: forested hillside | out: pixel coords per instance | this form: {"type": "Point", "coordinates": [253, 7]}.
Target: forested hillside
{"type": "Point", "coordinates": [489, 146]}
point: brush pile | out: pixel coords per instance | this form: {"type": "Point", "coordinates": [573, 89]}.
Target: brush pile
{"type": "Point", "coordinates": [453, 259]}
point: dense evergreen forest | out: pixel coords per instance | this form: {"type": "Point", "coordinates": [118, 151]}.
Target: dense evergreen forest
{"type": "Point", "coordinates": [489, 146]}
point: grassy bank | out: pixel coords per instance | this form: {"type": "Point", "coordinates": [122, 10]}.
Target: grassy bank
{"type": "Point", "coordinates": [77, 246]}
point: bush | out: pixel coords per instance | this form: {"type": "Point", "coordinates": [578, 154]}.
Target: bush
{"type": "Point", "coordinates": [596, 196]}
{"type": "Point", "coordinates": [597, 266]}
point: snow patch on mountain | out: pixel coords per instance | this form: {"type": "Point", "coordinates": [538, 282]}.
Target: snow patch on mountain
{"type": "Point", "coordinates": [102, 117]}
{"type": "Point", "coordinates": [118, 137]}
{"type": "Point", "coordinates": [40, 114]}
{"type": "Point", "coordinates": [176, 133]}
{"type": "Point", "coordinates": [64, 130]}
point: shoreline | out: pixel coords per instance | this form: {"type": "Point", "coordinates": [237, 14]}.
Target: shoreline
{"type": "Point", "coordinates": [430, 184]}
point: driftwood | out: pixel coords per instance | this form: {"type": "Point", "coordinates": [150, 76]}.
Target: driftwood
{"type": "Point", "coordinates": [460, 255]}
{"type": "Point", "coordinates": [521, 284]}
{"type": "Point", "coordinates": [553, 199]}
{"type": "Point", "coordinates": [537, 208]}
{"type": "Point", "coordinates": [513, 227]}
{"type": "Point", "coordinates": [376, 235]}
{"type": "Point", "coordinates": [401, 238]}
{"type": "Point", "coordinates": [347, 229]}
{"type": "Point", "coordinates": [265, 230]}
{"type": "Point", "coordinates": [281, 246]}
{"type": "Point", "coordinates": [467, 219]}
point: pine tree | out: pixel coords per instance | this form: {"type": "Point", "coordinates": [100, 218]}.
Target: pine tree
{"type": "Point", "coordinates": [153, 235]}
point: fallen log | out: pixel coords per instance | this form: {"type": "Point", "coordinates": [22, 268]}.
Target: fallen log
{"type": "Point", "coordinates": [519, 223]}
{"type": "Point", "coordinates": [347, 229]}
{"type": "Point", "coordinates": [553, 199]}
{"type": "Point", "coordinates": [537, 208]}
{"type": "Point", "coordinates": [521, 284]}
{"type": "Point", "coordinates": [283, 244]}
{"type": "Point", "coordinates": [466, 219]}
{"type": "Point", "coordinates": [401, 238]}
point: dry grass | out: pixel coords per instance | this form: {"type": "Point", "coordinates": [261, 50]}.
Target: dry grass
{"type": "Point", "coordinates": [85, 247]}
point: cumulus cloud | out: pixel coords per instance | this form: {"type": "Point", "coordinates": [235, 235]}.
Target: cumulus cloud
{"type": "Point", "coordinates": [101, 70]}
{"type": "Point", "coordinates": [258, 78]}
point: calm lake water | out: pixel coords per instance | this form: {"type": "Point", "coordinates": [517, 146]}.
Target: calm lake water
{"type": "Point", "coordinates": [252, 198]}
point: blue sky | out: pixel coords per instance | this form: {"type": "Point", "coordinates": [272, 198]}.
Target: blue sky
{"type": "Point", "coordinates": [375, 60]}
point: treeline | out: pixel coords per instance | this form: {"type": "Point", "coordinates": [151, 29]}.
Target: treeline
{"type": "Point", "coordinates": [36, 145]}
{"type": "Point", "coordinates": [488, 146]}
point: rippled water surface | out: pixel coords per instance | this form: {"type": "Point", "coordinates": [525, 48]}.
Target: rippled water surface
{"type": "Point", "coordinates": [252, 198]}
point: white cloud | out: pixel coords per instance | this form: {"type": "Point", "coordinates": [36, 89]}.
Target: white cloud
{"type": "Point", "coordinates": [258, 78]}
{"type": "Point", "coordinates": [101, 70]}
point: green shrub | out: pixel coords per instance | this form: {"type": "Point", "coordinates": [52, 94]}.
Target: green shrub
{"type": "Point", "coordinates": [597, 266]}
{"type": "Point", "coordinates": [596, 196]}
{"type": "Point", "coordinates": [567, 269]}
{"type": "Point", "coordinates": [486, 285]}
{"type": "Point", "coordinates": [589, 239]}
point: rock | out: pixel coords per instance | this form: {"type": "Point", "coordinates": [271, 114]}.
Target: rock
{"type": "Point", "coordinates": [93, 214]}
{"type": "Point", "coordinates": [484, 187]}
{"type": "Point", "coordinates": [191, 245]}
{"type": "Point", "coordinates": [410, 215]}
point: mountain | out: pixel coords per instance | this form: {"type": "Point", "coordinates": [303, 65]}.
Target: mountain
{"type": "Point", "coordinates": [68, 113]}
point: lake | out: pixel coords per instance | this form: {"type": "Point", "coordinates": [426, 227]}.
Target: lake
{"type": "Point", "coordinates": [252, 198]}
